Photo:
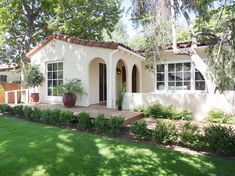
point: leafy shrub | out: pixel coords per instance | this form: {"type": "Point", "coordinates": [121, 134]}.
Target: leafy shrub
{"type": "Point", "coordinates": [45, 116]}
{"type": "Point", "coordinates": [84, 121]}
{"type": "Point", "coordinates": [139, 129]}
{"type": "Point", "coordinates": [18, 110]}
{"type": "Point", "coordinates": [5, 108]}
{"type": "Point", "coordinates": [115, 124]}
{"type": "Point", "coordinates": [189, 135]}
{"type": "Point", "coordinates": [101, 124]}
{"type": "Point", "coordinates": [65, 117]}
{"type": "Point", "coordinates": [36, 114]}
{"type": "Point", "coordinates": [54, 117]}
{"type": "Point", "coordinates": [182, 115]}
{"type": "Point", "coordinates": [165, 132]}
{"type": "Point", "coordinates": [220, 139]}
{"type": "Point", "coordinates": [219, 116]}
{"type": "Point", "coordinates": [27, 111]}
{"type": "Point", "coordinates": [159, 111]}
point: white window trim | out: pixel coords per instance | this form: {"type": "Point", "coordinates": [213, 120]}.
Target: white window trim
{"type": "Point", "coordinates": [52, 98]}
{"type": "Point", "coordinates": [192, 90]}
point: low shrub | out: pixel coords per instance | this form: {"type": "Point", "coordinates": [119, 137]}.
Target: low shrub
{"type": "Point", "coordinates": [219, 116]}
{"type": "Point", "coordinates": [220, 139]}
{"type": "Point", "coordinates": [84, 121]}
{"type": "Point", "coordinates": [115, 124]}
{"type": "Point", "coordinates": [101, 124]}
{"type": "Point", "coordinates": [165, 132]}
{"type": "Point", "coordinates": [45, 116]}
{"type": "Point", "coordinates": [54, 117]}
{"type": "Point", "coordinates": [159, 111]}
{"type": "Point", "coordinates": [139, 129]}
{"type": "Point", "coordinates": [27, 111]}
{"type": "Point", "coordinates": [5, 108]}
{"type": "Point", "coordinates": [189, 135]}
{"type": "Point", "coordinates": [182, 115]}
{"type": "Point", "coordinates": [36, 114]}
{"type": "Point", "coordinates": [18, 110]}
{"type": "Point", "coordinates": [65, 118]}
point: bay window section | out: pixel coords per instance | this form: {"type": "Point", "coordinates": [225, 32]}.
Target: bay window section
{"type": "Point", "coordinates": [199, 81]}
{"type": "Point", "coordinates": [179, 76]}
{"type": "Point", "coordinates": [54, 78]}
{"type": "Point", "coordinates": [160, 77]}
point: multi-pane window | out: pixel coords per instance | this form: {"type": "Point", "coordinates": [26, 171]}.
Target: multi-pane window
{"type": "Point", "coordinates": [3, 78]}
{"type": "Point", "coordinates": [199, 81]}
{"type": "Point", "coordinates": [178, 76]}
{"type": "Point", "coordinates": [54, 78]}
{"type": "Point", "coordinates": [160, 77]}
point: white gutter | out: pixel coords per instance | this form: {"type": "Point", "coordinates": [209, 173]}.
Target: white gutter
{"type": "Point", "coordinates": [132, 53]}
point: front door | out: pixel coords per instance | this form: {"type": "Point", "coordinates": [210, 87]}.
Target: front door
{"type": "Point", "coordinates": [102, 83]}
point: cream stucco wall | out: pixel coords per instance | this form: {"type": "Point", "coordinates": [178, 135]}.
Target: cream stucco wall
{"type": "Point", "coordinates": [81, 62]}
{"type": "Point", "coordinates": [12, 75]}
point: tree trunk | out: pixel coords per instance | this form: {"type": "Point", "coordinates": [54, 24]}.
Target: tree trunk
{"type": "Point", "coordinates": [200, 65]}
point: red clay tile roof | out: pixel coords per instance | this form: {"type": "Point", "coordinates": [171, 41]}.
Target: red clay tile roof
{"type": "Point", "coordinates": [182, 45]}
{"type": "Point", "coordinates": [78, 41]}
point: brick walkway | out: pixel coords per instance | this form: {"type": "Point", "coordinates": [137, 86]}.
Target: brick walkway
{"type": "Point", "coordinates": [94, 110]}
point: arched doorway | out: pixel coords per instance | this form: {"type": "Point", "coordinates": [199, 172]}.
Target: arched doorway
{"type": "Point", "coordinates": [121, 77]}
{"type": "Point", "coordinates": [135, 79]}
{"type": "Point", "coordinates": [97, 81]}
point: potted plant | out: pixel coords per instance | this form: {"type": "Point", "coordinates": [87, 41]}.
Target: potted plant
{"type": "Point", "coordinates": [33, 78]}
{"type": "Point", "coordinates": [71, 89]}
{"type": "Point", "coordinates": [120, 97]}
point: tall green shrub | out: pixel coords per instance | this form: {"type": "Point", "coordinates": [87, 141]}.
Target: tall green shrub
{"type": "Point", "coordinates": [220, 139]}
{"type": "Point", "coordinates": [189, 135]}
{"type": "Point", "coordinates": [139, 129]}
{"type": "Point", "coordinates": [115, 124]}
{"type": "Point", "coordinates": [84, 121]}
{"type": "Point", "coordinates": [101, 124]}
{"type": "Point", "coordinates": [165, 132]}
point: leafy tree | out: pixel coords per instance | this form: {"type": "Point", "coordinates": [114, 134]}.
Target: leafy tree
{"type": "Point", "coordinates": [119, 34]}
{"type": "Point", "coordinates": [161, 16]}
{"type": "Point", "coordinates": [23, 23]}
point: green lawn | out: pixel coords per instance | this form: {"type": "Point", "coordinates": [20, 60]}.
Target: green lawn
{"type": "Point", "coordinates": [27, 148]}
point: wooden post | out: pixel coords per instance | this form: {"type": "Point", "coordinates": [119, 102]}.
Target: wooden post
{"type": "Point", "coordinates": [6, 97]}
{"type": "Point", "coordinates": [26, 96]}
{"type": "Point", "coordinates": [15, 95]}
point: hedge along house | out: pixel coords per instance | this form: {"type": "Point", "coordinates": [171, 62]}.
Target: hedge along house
{"type": "Point", "coordinates": [102, 68]}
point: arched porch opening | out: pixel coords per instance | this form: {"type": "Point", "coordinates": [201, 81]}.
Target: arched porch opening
{"type": "Point", "coordinates": [97, 81]}
{"type": "Point", "coordinates": [121, 75]}
{"type": "Point", "coordinates": [135, 79]}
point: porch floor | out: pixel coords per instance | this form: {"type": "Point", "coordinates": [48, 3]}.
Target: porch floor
{"type": "Point", "coordinates": [94, 110]}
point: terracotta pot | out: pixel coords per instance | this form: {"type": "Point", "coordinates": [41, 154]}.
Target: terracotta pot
{"type": "Point", "coordinates": [34, 97]}
{"type": "Point", "coordinates": [119, 107]}
{"type": "Point", "coordinates": [69, 100]}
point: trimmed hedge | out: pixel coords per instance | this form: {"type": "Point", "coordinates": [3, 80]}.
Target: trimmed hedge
{"type": "Point", "coordinates": [159, 111]}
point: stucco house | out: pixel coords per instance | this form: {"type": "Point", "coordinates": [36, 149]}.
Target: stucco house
{"type": "Point", "coordinates": [103, 67]}
{"type": "Point", "coordinates": [9, 73]}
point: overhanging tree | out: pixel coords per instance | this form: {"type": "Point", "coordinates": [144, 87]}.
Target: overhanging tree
{"type": "Point", "coordinates": [158, 15]}
{"type": "Point", "coordinates": [23, 23]}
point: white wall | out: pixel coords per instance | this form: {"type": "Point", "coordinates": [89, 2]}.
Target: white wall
{"type": "Point", "coordinates": [197, 103]}
{"type": "Point", "coordinates": [76, 59]}
{"type": "Point", "coordinates": [12, 75]}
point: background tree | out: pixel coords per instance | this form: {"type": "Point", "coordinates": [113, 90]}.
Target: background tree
{"type": "Point", "coordinates": [154, 13]}
{"type": "Point", "coordinates": [118, 35]}
{"type": "Point", "coordinates": [23, 23]}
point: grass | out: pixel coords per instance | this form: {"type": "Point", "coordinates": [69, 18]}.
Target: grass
{"type": "Point", "coordinates": [28, 148]}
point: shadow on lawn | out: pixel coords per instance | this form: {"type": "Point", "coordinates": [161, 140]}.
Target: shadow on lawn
{"type": "Point", "coordinates": [28, 149]}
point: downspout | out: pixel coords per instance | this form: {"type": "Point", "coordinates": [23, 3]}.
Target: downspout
{"type": "Point", "coordinates": [111, 101]}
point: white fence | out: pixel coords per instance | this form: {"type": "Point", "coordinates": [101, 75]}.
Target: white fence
{"type": "Point", "coordinates": [197, 103]}
{"type": "Point", "coordinates": [24, 95]}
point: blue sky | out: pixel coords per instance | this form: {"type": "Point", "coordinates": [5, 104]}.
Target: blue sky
{"type": "Point", "coordinates": [126, 19]}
